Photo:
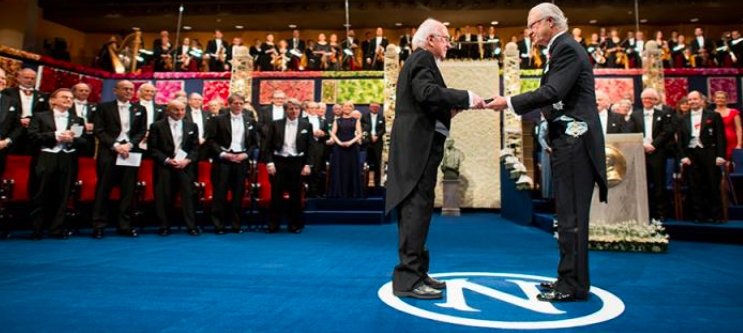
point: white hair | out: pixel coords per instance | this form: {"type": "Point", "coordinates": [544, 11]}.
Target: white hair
{"type": "Point", "coordinates": [601, 94]}
{"type": "Point", "coordinates": [428, 28]}
{"type": "Point", "coordinates": [650, 91]}
{"type": "Point", "coordinates": [550, 10]}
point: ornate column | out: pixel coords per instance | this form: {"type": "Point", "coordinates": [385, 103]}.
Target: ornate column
{"type": "Point", "coordinates": [391, 72]}
{"type": "Point", "coordinates": [513, 142]}
{"type": "Point", "coordinates": [652, 67]}
{"type": "Point", "coordinates": [242, 73]}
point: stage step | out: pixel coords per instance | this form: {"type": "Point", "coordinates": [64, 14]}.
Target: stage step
{"type": "Point", "coordinates": [368, 210]}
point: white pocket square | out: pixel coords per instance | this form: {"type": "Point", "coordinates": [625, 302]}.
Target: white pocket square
{"type": "Point", "coordinates": [191, 132]}
{"type": "Point", "coordinates": [11, 109]}
{"type": "Point", "coordinates": [41, 99]}
{"type": "Point", "coordinates": [250, 127]}
{"type": "Point", "coordinates": [304, 131]}
{"type": "Point", "coordinates": [138, 113]}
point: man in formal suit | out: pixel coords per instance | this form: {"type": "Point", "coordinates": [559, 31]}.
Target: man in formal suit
{"type": "Point", "coordinates": [272, 112]}
{"type": "Point", "coordinates": [214, 49]}
{"type": "Point", "coordinates": [231, 137]}
{"type": "Point", "coordinates": [316, 118]}
{"type": "Point", "coordinates": [611, 123]}
{"type": "Point", "coordinates": [701, 138]}
{"type": "Point", "coordinates": [424, 107]}
{"type": "Point", "coordinates": [146, 94]}
{"type": "Point", "coordinates": [566, 97]}
{"type": "Point", "coordinates": [196, 114]}
{"type": "Point", "coordinates": [657, 129]}
{"type": "Point", "coordinates": [406, 48]}
{"type": "Point", "coordinates": [10, 127]}
{"type": "Point", "coordinates": [288, 159]}
{"type": "Point", "coordinates": [82, 108]}
{"type": "Point", "coordinates": [163, 52]}
{"type": "Point", "coordinates": [376, 45]}
{"type": "Point", "coordinates": [701, 44]}
{"type": "Point", "coordinates": [55, 137]}
{"type": "Point", "coordinates": [376, 127]}
{"type": "Point", "coordinates": [119, 127]}
{"type": "Point", "coordinates": [493, 46]}
{"type": "Point", "coordinates": [173, 144]}
{"type": "Point", "coordinates": [31, 101]}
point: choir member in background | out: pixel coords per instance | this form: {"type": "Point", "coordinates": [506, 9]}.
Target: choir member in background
{"type": "Point", "coordinates": [578, 38]}
{"type": "Point", "coordinates": [313, 59]}
{"type": "Point", "coordinates": [237, 43]}
{"type": "Point", "coordinates": [322, 50]}
{"type": "Point", "coordinates": [613, 48]}
{"type": "Point", "coordinates": [681, 57]}
{"type": "Point", "coordinates": [296, 51]}
{"type": "Point", "coordinates": [333, 63]}
{"type": "Point", "coordinates": [163, 53]}
{"type": "Point", "coordinates": [455, 51]}
{"type": "Point", "coordinates": [736, 46]}
{"type": "Point", "coordinates": [479, 47]}
{"type": "Point", "coordinates": [725, 55]}
{"type": "Point", "coordinates": [525, 46]}
{"type": "Point", "coordinates": [377, 46]}
{"type": "Point", "coordinates": [602, 35]}
{"type": "Point", "coordinates": [269, 54]}
{"type": "Point", "coordinates": [365, 48]}
{"type": "Point", "coordinates": [628, 46]}
{"type": "Point", "coordinates": [216, 51]}
{"type": "Point", "coordinates": [182, 55]}
{"type": "Point", "coordinates": [701, 42]}
{"type": "Point", "coordinates": [282, 61]}
{"type": "Point", "coordinates": [406, 44]}
{"type": "Point", "coordinates": [255, 52]}
{"type": "Point", "coordinates": [494, 47]}
{"type": "Point", "coordinates": [465, 40]}
{"type": "Point", "coordinates": [665, 49]}
{"type": "Point", "coordinates": [351, 51]}
{"type": "Point", "coordinates": [196, 52]}
{"type": "Point", "coordinates": [56, 137]}
{"type": "Point", "coordinates": [596, 54]}
{"type": "Point", "coordinates": [639, 48]}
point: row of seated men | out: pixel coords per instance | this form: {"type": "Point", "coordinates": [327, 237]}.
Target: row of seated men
{"type": "Point", "coordinates": [694, 138]}
{"type": "Point", "coordinates": [175, 137]}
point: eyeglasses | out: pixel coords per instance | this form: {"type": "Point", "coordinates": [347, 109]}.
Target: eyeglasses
{"type": "Point", "coordinates": [531, 26]}
{"type": "Point", "coordinates": [445, 37]}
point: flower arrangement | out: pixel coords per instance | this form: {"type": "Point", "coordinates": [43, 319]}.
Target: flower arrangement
{"type": "Point", "coordinates": [628, 236]}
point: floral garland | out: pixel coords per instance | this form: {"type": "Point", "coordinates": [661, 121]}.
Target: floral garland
{"type": "Point", "coordinates": [628, 236]}
{"type": "Point", "coordinates": [512, 155]}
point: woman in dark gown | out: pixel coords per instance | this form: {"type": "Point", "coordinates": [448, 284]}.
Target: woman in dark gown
{"type": "Point", "coordinates": [345, 175]}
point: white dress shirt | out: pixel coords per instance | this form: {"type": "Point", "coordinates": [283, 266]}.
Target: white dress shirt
{"type": "Point", "coordinates": [696, 127]}
{"type": "Point", "coordinates": [289, 148]}
{"type": "Point", "coordinates": [197, 117]}
{"type": "Point", "coordinates": [314, 121]}
{"type": "Point", "coordinates": [373, 120]}
{"type": "Point", "coordinates": [648, 115]}
{"type": "Point", "coordinates": [277, 112]}
{"type": "Point", "coordinates": [604, 118]}
{"type": "Point", "coordinates": [150, 107]}
{"type": "Point", "coordinates": [61, 119]}
{"type": "Point", "coordinates": [82, 108]}
{"type": "Point", "coordinates": [237, 123]}
{"type": "Point", "coordinates": [124, 116]}
{"type": "Point", "coordinates": [26, 103]}
{"type": "Point", "coordinates": [176, 130]}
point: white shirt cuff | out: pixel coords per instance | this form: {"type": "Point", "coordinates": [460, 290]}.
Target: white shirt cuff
{"type": "Point", "coordinates": [471, 98]}
{"type": "Point", "coordinates": [272, 164]}
{"type": "Point", "coordinates": [510, 106]}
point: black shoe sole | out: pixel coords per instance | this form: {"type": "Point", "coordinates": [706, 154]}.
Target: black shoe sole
{"type": "Point", "coordinates": [418, 296]}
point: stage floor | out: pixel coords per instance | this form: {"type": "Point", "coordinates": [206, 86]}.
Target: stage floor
{"type": "Point", "coordinates": [328, 279]}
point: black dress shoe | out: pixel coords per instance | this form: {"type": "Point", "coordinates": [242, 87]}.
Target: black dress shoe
{"type": "Point", "coordinates": [548, 285]}
{"type": "Point", "coordinates": [558, 296]}
{"type": "Point", "coordinates": [435, 284]}
{"type": "Point", "coordinates": [129, 233]}
{"type": "Point", "coordinates": [36, 235]}
{"type": "Point", "coordinates": [64, 234]}
{"type": "Point", "coordinates": [97, 233]}
{"type": "Point", "coordinates": [194, 232]}
{"type": "Point", "coordinates": [164, 232]}
{"type": "Point", "coordinates": [422, 291]}
{"type": "Point", "coordinates": [219, 231]}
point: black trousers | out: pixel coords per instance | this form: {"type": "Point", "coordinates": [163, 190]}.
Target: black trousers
{"type": "Point", "coordinates": [317, 177]}
{"type": "Point", "coordinates": [704, 184]}
{"type": "Point", "coordinates": [288, 179]}
{"type": "Point", "coordinates": [168, 182]}
{"type": "Point", "coordinates": [573, 184]}
{"type": "Point", "coordinates": [656, 171]}
{"type": "Point", "coordinates": [109, 175]}
{"type": "Point", "coordinates": [374, 159]}
{"type": "Point", "coordinates": [414, 219]}
{"type": "Point", "coordinates": [228, 177]}
{"type": "Point", "coordinates": [54, 175]}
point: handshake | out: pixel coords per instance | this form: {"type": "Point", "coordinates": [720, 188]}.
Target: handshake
{"type": "Point", "coordinates": [497, 103]}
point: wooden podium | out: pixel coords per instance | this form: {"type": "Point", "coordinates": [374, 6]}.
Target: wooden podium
{"type": "Point", "coordinates": [626, 174]}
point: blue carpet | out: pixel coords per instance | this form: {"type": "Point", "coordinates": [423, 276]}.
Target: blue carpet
{"type": "Point", "coordinates": [327, 279]}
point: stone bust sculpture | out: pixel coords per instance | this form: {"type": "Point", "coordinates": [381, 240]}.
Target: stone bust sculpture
{"type": "Point", "coordinates": [453, 158]}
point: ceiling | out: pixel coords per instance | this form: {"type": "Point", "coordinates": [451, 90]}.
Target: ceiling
{"type": "Point", "coordinates": [116, 16]}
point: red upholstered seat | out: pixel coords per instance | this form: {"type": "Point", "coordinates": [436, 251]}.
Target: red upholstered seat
{"type": "Point", "coordinates": [18, 170]}
{"type": "Point", "coordinates": [86, 174]}
{"type": "Point", "coordinates": [145, 180]}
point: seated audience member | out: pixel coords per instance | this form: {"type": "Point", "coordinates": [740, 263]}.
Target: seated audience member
{"type": "Point", "coordinates": [173, 144]}
{"type": "Point", "coordinates": [288, 159]}
{"type": "Point", "coordinates": [55, 136]}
